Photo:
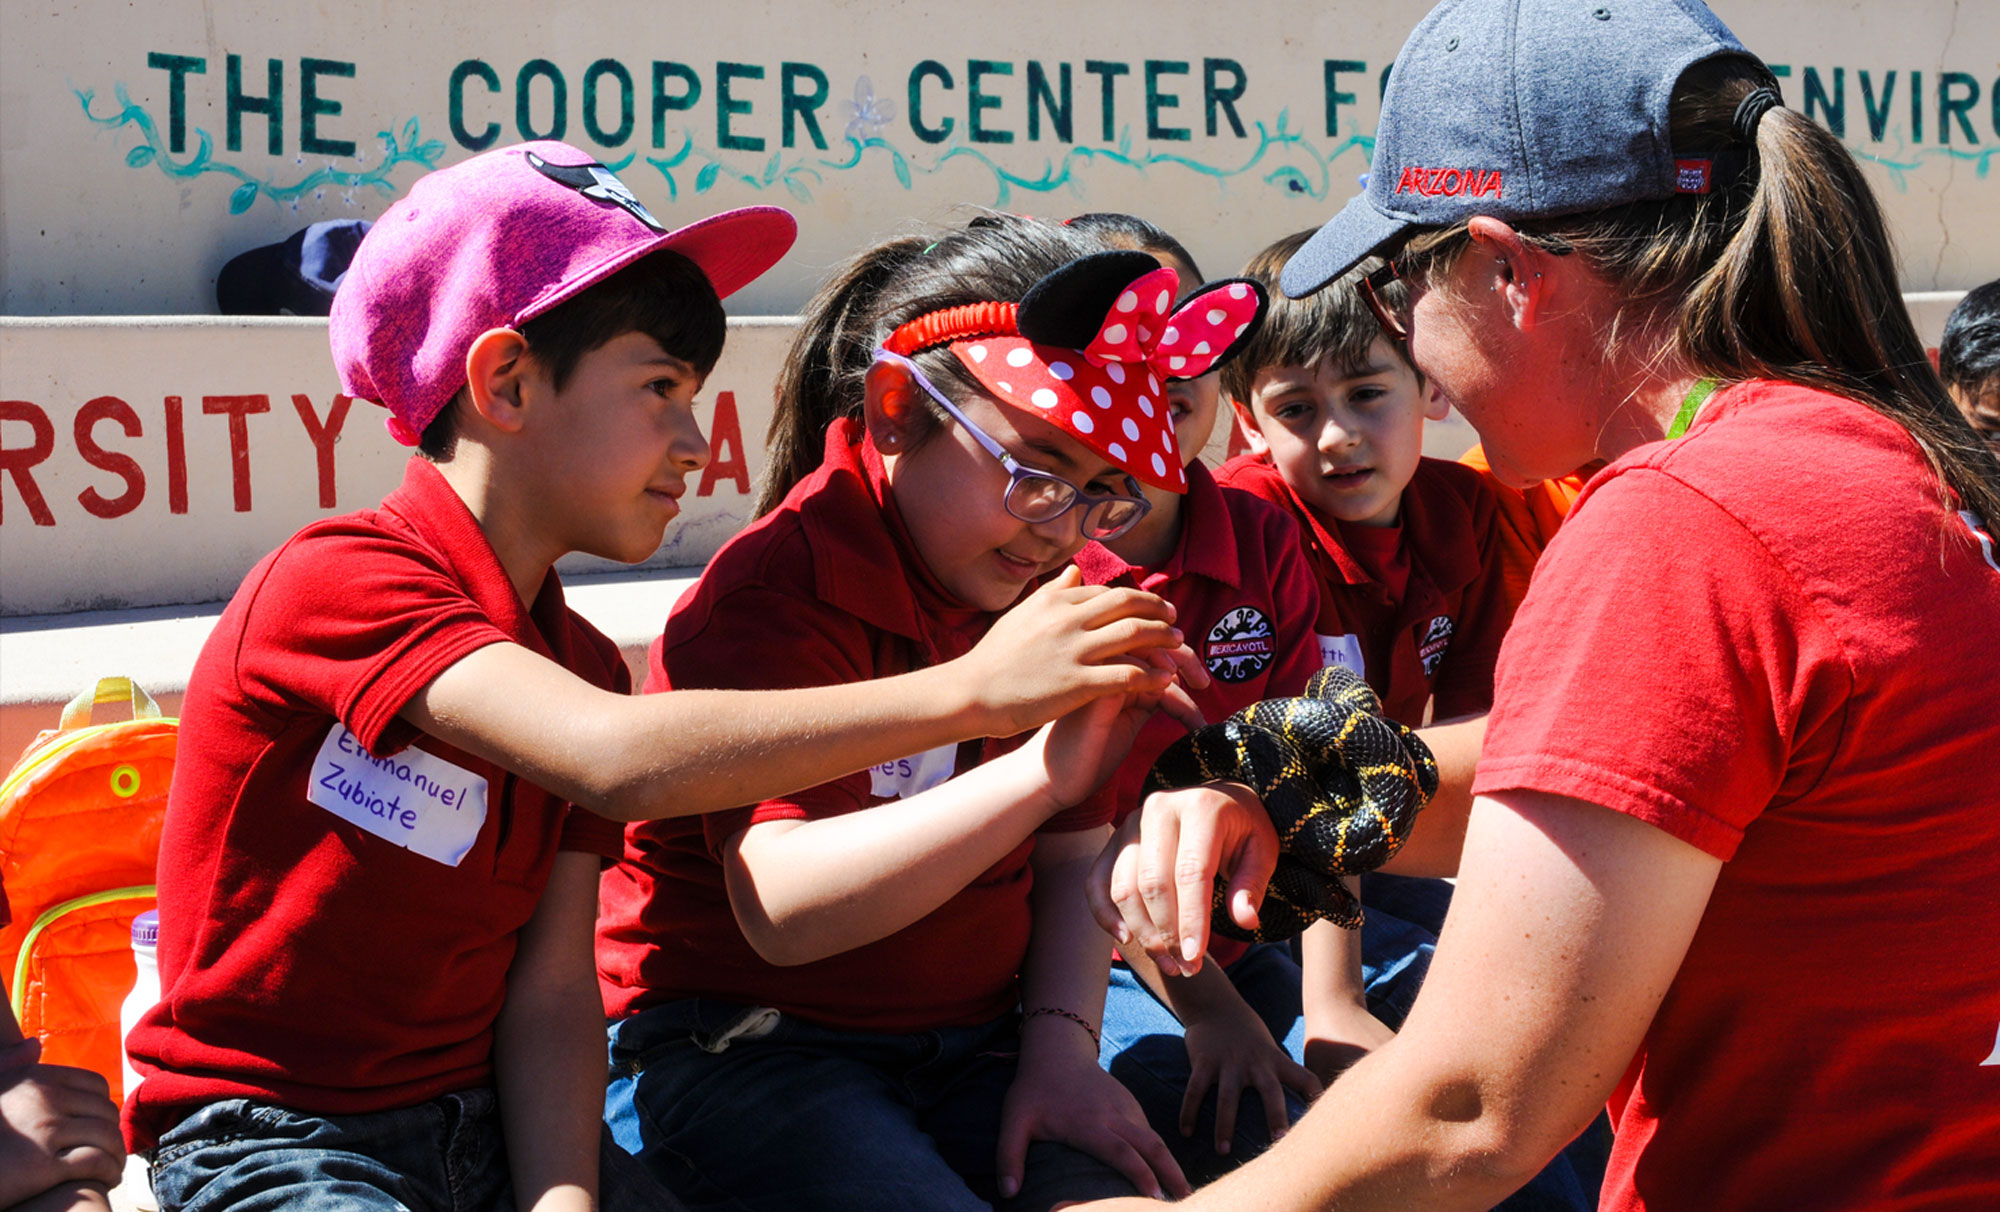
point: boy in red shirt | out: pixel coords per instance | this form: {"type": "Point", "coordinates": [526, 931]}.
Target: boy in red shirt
{"type": "Point", "coordinates": [1218, 1058]}
{"type": "Point", "coordinates": [378, 871]}
{"type": "Point", "coordinates": [1405, 547]}
{"type": "Point", "coordinates": [1408, 554]}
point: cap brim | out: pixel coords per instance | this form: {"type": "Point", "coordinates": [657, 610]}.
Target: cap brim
{"type": "Point", "coordinates": [1358, 230]}
{"type": "Point", "coordinates": [733, 249]}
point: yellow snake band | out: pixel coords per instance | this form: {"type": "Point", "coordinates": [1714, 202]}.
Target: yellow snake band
{"type": "Point", "coordinates": [1342, 784]}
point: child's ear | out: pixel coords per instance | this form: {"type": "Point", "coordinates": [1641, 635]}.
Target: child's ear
{"type": "Point", "coordinates": [1246, 423]}
{"type": "Point", "coordinates": [1436, 408]}
{"type": "Point", "coordinates": [495, 365]}
{"type": "Point", "coordinates": [893, 408]}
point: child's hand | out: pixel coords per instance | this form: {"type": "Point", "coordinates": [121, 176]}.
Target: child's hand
{"type": "Point", "coordinates": [1068, 643]}
{"type": "Point", "coordinates": [1067, 1098]}
{"type": "Point", "coordinates": [1231, 1050]}
{"type": "Point", "coordinates": [58, 1125]}
{"type": "Point", "coordinates": [1083, 749]}
{"type": "Point", "coordinates": [1339, 1036]}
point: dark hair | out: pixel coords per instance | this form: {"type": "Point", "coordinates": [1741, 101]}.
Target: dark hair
{"type": "Point", "coordinates": [664, 295]}
{"type": "Point", "coordinates": [1117, 229]}
{"type": "Point", "coordinates": [1334, 324]}
{"type": "Point", "coordinates": [1787, 273]}
{"type": "Point", "coordinates": [993, 258]}
{"type": "Point", "coordinates": [1969, 359]}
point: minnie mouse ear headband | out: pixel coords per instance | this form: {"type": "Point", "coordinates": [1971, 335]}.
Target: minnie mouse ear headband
{"type": "Point", "coordinates": [1091, 348]}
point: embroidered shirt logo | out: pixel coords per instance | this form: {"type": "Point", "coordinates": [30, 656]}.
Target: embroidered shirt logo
{"type": "Point", "coordinates": [1240, 645]}
{"type": "Point", "coordinates": [1693, 176]}
{"type": "Point", "coordinates": [594, 181]}
{"type": "Point", "coordinates": [1449, 182]}
{"type": "Point", "coordinates": [1437, 637]}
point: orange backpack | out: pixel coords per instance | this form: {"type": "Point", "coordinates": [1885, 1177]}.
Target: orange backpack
{"type": "Point", "coordinates": [80, 818]}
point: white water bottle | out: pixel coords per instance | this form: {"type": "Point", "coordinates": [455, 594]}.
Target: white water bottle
{"type": "Point", "coordinates": [137, 1186]}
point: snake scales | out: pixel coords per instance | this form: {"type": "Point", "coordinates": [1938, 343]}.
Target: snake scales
{"type": "Point", "coordinates": [1342, 784]}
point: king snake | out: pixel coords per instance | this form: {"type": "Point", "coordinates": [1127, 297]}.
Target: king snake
{"type": "Point", "coordinates": [1342, 784]}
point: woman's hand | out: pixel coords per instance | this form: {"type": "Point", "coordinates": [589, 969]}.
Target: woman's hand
{"type": "Point", "coordinates": [1152, 886]}
{"type": "Point", "coordinates": [1231, 1051]}
{"type": "Point", "coordinates": [1061, 1095]}
{"type": "Point", "coordinates": [1069, 643]}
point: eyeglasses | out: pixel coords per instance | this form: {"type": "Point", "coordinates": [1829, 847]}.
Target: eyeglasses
{"type": "Point", "coordinates": [1035, 496]}
{"type": "Point", "coordinates": [1392, 323]}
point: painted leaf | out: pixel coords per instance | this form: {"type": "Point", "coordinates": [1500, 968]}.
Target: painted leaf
{"type": "Point", "coordinates": [139, 157]}
{"type": "Point", "coordinates": [771, 169]}
{"type": "Point", "coordinates": [241, 198]}
{"type": "Point", "coordinates": [797, 190]}
{"type": "Point", "coordinates": [902, 168]}
{"type": "Point", "coordinates": [705, 179]}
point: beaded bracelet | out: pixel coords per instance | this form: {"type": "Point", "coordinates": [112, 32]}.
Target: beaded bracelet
{"type": "Point", "coordinates": [1078, 1019]}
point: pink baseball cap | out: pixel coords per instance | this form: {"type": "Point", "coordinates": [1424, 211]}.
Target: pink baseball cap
{"type": "Point", "coordinates": [494, 241]}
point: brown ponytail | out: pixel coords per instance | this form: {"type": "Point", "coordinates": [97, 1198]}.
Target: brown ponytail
{"type": "Point", "coordinates": [994, 257]}
{"type": "Point", "coordinates": [832, 350]}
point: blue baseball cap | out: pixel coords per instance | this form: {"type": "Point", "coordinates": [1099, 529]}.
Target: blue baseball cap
{"type": "Point", "coordinates": [1522, 109]}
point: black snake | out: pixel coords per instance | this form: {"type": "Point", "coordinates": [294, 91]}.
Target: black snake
{"type": "Point", "coordinates": [1342, 784]}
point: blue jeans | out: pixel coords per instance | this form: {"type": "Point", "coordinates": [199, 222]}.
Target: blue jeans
{"type": "Point", "coordinates": [445, 1155]}
{"type": "Point", "coordinates": [744, 1109]}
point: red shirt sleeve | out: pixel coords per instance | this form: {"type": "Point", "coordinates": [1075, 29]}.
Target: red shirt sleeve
{"type": "Point", "coordinates": [1660, 666]}
{"type": "Point", "coordinates": [1486, 609]}
{"type": "Point", "coordinates": [1295, 594]}
{"type": "Point", "coordinates": [755, 638]}
{"type": "Point", "coordinates": [361, 649]}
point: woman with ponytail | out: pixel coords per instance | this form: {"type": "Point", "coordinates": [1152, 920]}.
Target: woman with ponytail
{"type": "Point", "coordinates": [1737, 828]}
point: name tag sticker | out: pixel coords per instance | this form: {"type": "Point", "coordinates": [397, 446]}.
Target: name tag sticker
{"type": "Point", "coordinates": [910, 775]}
{"type": "Point", "coordinates": [415, 799]}
{"type": "Point", "coordinates": [1342, 650]}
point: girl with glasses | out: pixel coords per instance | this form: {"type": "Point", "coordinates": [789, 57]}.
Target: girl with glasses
{"type": "Point", "coordinates": [885, 992]}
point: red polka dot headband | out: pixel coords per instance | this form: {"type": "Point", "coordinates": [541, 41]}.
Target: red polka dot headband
{"type": "Point", "coordinates": [1091, 348]}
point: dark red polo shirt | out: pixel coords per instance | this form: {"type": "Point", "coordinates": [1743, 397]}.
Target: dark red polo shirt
{"type": "Point", "coordinates": [340, 895]}
{"type": "Point", "coordinates": [1439, 634]}
{"type": "Point", "coordinates": [1247, 603]}
{"type": "Point", "coordinates": [825, 589]}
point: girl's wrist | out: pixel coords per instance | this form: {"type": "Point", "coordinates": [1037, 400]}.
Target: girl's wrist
{"type": "Point", "coordinates": [1054, 1035]}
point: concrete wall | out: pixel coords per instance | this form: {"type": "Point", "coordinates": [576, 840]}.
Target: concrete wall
{"type": "Point", "coordinates": [145, 144]}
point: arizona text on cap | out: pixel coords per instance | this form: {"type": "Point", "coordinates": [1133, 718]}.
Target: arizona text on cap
{"type": "Point", "coordinates": [492, 242]}
{"type": "Point", "coordinates": [1519, 109]}
{"type": "Point", "coordinates": [1091, 347]}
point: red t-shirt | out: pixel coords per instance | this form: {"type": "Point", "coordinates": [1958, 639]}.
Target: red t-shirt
{"type": "Point", "coordinates": [340, 895]}
{"type": "Point", "coordinates": [1438, 634]}
{"type": "Point", "coordinates": [1771, 640]}
{"type": "Point", "coordinates": [826, 589]}
{"type": "Point", "coordinates": [1247, 603]}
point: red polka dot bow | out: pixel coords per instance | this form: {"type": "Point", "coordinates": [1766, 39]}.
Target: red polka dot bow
{"type": "Point", "coordinates": [1091, 347]}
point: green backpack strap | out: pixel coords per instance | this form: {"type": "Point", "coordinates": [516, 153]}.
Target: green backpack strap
{"type": "Point", "coordinates": [76, 713]}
